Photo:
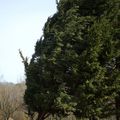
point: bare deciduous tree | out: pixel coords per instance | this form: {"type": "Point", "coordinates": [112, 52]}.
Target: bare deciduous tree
{"type": "Point", "coordinates": [10, 100]}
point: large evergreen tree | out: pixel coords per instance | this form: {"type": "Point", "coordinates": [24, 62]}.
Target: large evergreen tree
{"type": "Point", "coordinates": [76, 64]}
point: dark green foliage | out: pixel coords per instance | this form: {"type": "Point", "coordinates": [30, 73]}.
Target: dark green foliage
{"type": "Point", "coordinates": [76, 64]}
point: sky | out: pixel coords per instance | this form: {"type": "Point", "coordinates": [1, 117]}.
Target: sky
{"type": "Point", "coordinates": [21, 24]}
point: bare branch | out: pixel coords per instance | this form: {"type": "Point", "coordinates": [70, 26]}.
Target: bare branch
{"type": "Point", "coordinates": [24, 59]}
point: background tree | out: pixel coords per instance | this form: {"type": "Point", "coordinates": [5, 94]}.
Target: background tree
{"type": "Point", "coordinates": [11, 100]}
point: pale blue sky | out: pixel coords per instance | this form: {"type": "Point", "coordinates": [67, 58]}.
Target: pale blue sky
{"type": "Point", "coordinates": [21, 23]}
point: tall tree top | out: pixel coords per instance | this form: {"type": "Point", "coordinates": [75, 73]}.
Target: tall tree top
{"type": "Point", "coordinates": [88, 7]}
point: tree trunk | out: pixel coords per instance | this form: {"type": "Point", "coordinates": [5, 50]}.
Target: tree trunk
{"type": "Point", "coordinates": [42, 116]}
{"type": "Point", "coordinates": [117, 103]}
{"type": "Point", "coordinates": [93, 118]}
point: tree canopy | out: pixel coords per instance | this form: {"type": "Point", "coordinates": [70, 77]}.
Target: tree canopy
{"type": "Point", "coordinates": [76, 64]}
